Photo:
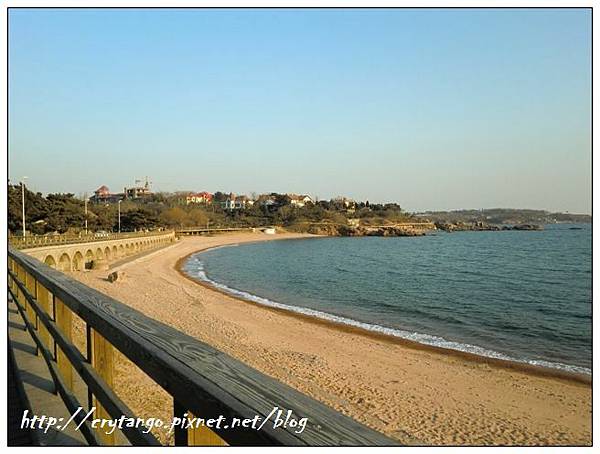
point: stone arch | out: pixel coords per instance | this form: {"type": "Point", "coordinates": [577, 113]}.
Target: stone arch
{"type": "Point", "coordinates": [121, 250]}
{"type": "Point", "coordinates": [99, 254]}
{"type": "Point", "coordinates": [115, 251]}
{"type": "Point", "coordinates": [78, 262]}
{"type": "Point", "coordinates": [89, 258]}
{"type": "Point", "coordinates": [50, 261]}
{"type": "Point", "coordinates": [107, 253]}
{"type": "Point", "coordinates": [64, 263]}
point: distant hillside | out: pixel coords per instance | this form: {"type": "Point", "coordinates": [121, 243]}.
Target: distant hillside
{"type": "Point", "coordinates": [505, 216]}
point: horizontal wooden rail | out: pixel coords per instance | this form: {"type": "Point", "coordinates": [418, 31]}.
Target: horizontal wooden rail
{"type": "Point", "coordinates": [206, 382]}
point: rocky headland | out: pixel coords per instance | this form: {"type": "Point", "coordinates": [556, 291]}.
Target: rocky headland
{"type": "Point", "coordinates": [413, 229]}
{"type": "Point", "coordinates": [483, 226]}
{"type": "Point", "coordinates": [346, 230]}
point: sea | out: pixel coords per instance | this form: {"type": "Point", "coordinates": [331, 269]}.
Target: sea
{"type": "Point", "coordinates": [519, 295]}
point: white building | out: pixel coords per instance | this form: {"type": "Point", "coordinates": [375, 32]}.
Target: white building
{"type": "Point", "coordinates": [237, 203]}
{"type": "Point", "coordinates": [299, 200]}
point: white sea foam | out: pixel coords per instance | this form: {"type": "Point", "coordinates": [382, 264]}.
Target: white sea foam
{"type": "Point", "coordinates": [197, 271]}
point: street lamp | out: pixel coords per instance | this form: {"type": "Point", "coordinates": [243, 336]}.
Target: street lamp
{"type": "Point", "coordinates": [23, 202]}
{"type": "Point", "coordinates": [119, 204]}
{"type": "Point", "coordinates": [85, 200]}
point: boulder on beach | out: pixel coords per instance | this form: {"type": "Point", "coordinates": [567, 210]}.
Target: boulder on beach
{"type": "Point", "coordinates": [116, 276]}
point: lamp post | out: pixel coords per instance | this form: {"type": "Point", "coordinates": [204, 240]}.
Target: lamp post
{"type": "Point", "coordinates": [85, 202]}
{"type": "Point", "coordinates": [119, 204]}
{"type": "Point", "coordinates": [23, 202]}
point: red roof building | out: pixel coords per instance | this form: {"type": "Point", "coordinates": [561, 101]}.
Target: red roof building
{"type": "Point", "coordinates": [200, 197]}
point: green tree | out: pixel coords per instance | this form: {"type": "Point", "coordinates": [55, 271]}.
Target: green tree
{"type": "Point", "coordinates": [36, 210]}
{"type": "Point", "coordinates": [197, 217]}
{"type": "Point", "coordinates": [64, 212]}
{"type": "Point", "coordinates": [174, 217]}
{"type": "Point", "coordinates": [103, 217]}
{"type": "Point", "coordinates": [138, 219]}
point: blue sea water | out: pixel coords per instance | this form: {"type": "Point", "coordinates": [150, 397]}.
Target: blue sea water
{"type": "Point", "coordinates": [520, 295]}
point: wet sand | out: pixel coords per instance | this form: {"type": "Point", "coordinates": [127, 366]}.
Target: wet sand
{"type": "Point", "coordinates": [414, 393]}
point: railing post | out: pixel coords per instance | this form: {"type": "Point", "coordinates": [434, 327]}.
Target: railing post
{"type": "Point", "coordinates": [102, 361]}
{"type": "Point", "coordinates": [19, 272]}
{"type": "Point", "coordinates": [181, 434]}
{"type": "Point", "coordinates": [11, 267]}
{"type": "Point", "coordinates": [15, 270]}
{"type": "Point", "coordinates": [30, 284]}
{"type": "Point", "coordinates": [43, 298]}
{"type": "Point", "coordinates": [64, 322]}
{"type": "Point", "coordinates": [193, 436]}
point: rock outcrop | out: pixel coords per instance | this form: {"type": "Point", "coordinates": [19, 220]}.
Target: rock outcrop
{"type": "Point", "coordinates": [482, 226]}
{"type": "Point", "coordinates": [526, 227]}
{"type": "Point", "coordinates": [347, 230]}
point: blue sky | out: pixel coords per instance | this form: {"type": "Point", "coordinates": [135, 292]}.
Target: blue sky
{"type": "Point", "coordinates": [435, 109]}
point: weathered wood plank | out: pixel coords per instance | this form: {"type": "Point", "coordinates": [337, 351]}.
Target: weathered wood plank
{"type": "Point", "coordinates": [11, 267]}
{"type": "Point", "coordinates": [209, 382]}
{"type": "Point", "coordinates": [203, 436]}
{"type": "Point", "coordinates": [65, 324]}
{"type": "Point", "coordinates": [43, 297]}
{"type": "Point", "coordinates": [19, 276]}
{"type": "Point", "coordinates": [102, 361]}
{"type": "Point", "coordinates": [30, 284]}
{"type": "Point", "coordinates": [196, 435]}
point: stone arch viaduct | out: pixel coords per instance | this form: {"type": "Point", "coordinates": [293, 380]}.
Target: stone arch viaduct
{"type": "Point", "coordinates": [97, 253]}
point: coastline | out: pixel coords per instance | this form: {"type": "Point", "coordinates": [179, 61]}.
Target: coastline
{"type": "Point", "coordinates": [532, 369]}
{"type": "Point", "coordinates": [415, 393]}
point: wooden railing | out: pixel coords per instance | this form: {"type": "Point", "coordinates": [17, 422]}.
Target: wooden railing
{"type": "Point", "coordinates": [32, 241]}
{"type": "Point", "coordinates": [201, 380]}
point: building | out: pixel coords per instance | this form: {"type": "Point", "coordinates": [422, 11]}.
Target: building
{"type": "Point", "coordinates": [299, 200]}
{"type": "Point", "coordinates": [200, 197]}
{"type": "Point", "coordinates": [138, 192]}
{"type": "Point", "coordinates": [103, 195]}
{"type": "Point", "coordinates": [267, 200]}
{"type": "Point", "coordinates": [343, 203]}
{"type": "Point", "coordinates": [237, 203]}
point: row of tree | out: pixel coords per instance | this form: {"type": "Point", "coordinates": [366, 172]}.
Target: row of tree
{"type": "Point", "coordinates": [61, 213]}
{"type": "Point", "coordinates": [64, 212]}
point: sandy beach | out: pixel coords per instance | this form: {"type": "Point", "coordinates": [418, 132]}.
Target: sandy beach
{"type": "Point", "coordinates": [414, 394]}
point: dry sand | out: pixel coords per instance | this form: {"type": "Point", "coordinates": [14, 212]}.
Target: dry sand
{"type": "Point", "coordinates": [414, 394]}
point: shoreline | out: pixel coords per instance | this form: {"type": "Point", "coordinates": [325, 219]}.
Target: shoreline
{"type": "Point", "coordinates": [416, 394]}
{"type": "Point", "coordinates": [532, 369]}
